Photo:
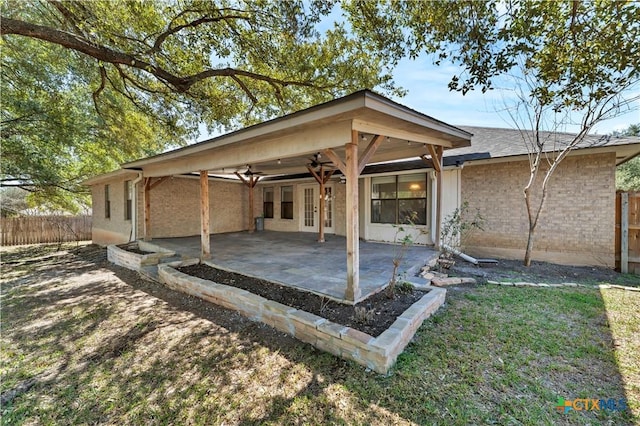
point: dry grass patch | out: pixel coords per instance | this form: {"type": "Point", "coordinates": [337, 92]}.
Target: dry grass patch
{"type": "Point", "coordinates": [86, 342]}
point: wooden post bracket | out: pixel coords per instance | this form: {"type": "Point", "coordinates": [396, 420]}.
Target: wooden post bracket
{"type": "Point", "coordinates": [336, 160]}
{"type": "Point", "coordinates": [368, 152]}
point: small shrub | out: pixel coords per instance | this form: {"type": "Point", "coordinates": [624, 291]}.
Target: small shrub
{"type": "Point", "coordinates": [364, 315]}
{"type": "Point", "coordinates": [404, 288]}
{"type": "Point", "coordinates": [456, 230]}
{"type": "Point", "coordinates": [324, 303]}
{"type": "Point", "coordinates": [402, 241]}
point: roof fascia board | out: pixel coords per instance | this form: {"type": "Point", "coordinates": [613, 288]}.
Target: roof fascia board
{"type": "Point", "coordinates": [120, 173]}
{"type": "Point", "coordinates": [523, 157]}
{"type": "Point", "coordinates": [394, 109]}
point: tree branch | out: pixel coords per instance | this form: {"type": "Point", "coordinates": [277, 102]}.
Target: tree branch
{"type": "Point", "coordinates": [245, 89]}
{"type": "Point", "coordinates": [13, 120]}
{"type": "Point", "coordinates": [106, 54]}
{"type": "Point", "coordinates": [94, 95]}
{"type": "Point", "coordinates": [204, 20]}
{"type": "Point", "coordinates": [66, 14]}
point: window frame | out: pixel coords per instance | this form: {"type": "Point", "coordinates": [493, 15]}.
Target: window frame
{"type": "Point", "coordinates": [284, 203]}
{"type": "Point", "coordinates": [107, 202]}
{"type": "Point", "coordinates": [397, 199]}
{"type": "Point", "coordinates": [268, 206]}
{"type": "Point", "coordinates": [128, 199]}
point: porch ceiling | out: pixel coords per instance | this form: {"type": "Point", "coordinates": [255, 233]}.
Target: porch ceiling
{"type": "Point", "coordinates": [293, 139]}
{"type": "Point", "coordinates": [390, 149]}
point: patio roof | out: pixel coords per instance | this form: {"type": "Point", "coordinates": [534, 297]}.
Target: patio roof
{"type": "Point", "coordinates": [284, 145]}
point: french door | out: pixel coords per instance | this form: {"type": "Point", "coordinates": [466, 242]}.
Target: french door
{"type": "Point", "coordinates": [311, 214]}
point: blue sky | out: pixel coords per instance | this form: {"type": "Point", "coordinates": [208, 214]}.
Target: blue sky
{"type": "Point", "coordinates": [428, 93]}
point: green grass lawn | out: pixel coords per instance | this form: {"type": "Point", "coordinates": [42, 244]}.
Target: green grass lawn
{"type": "Point", "coordinates": [85, 342]}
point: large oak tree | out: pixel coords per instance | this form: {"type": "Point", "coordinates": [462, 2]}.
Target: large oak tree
{"type": "Point", "coordinates": [86, 85]}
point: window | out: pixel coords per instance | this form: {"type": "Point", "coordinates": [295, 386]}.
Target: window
{"type": "Point", "coordinates": [267, 203]}
{"type": "Point", "coordinates": [286, 202]}
{"type": "Point", "coordinates": [107, 203]}
{"type": "Point", "coordinates": [128, 195]}
{"type": "Point", "coordinates": [399, 199]}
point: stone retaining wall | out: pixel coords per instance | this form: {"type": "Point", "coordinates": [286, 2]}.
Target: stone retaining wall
{"type": "Point", "coordinates": [377, 353]}
{"type": "Point", "coordinates": [135, 261]}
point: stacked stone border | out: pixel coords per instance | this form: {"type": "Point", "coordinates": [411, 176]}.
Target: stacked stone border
{"type": "Point", "coordinates": [377, 353]}
{"type": "Point", "coordinates": [528, 284]}
{"type": "Point", "coordinates": [137, 261]}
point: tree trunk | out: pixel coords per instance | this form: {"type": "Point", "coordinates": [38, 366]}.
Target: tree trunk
{"type": "Point", "coordinates": [527, 253]}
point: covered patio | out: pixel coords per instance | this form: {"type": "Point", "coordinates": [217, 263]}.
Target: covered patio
{"type": "Point", "coordinates": [296, 259]}
{"type": "Point", "coordinates": [350, 132]}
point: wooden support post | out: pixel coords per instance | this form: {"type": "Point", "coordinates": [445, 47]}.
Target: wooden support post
{"type": "Point", "coordinates": [251, 183]}
{"type": "Point", "coordinates": [624, 232]}
{"type": "Point", "coordinates": [252, 223]}
{"type": "Point", "coordinates": [321, 212]}
{"type": "Point", "coordinates": [352, 292]}
{"type": "Point", "coordinates": [204, 215]}
{"type": "Point", "coordinates": [147, 209]}
{"type": "Point", "coordinates": [438, 161]}
{"type": "Point", "coordinates": [322, 178]}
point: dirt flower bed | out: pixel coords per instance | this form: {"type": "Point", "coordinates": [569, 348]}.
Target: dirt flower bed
{"type": "Point", "coordinates": [133, 248]}
{"type": "Point", "coordinates": [542, 272]}
{"type": "Point", "coordinates": [381, 310]}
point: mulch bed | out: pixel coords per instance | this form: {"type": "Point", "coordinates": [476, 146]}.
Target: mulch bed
{"type": "Point", "coordinates": [385, 310]}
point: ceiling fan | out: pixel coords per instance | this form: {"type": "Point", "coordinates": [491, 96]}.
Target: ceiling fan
{"type": "Point", "coordinates": [249, 172]}
{"type": "Point", "coordinates": [315, 161]}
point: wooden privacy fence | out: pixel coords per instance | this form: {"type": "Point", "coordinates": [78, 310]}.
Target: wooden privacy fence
{"type": "Point", "coordinates": [628, 232]}
{"type": "Point", "coordinates": [44, 229]}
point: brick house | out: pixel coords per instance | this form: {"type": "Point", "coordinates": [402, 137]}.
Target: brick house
{"type": "Point", "coordinates": [379, 160]}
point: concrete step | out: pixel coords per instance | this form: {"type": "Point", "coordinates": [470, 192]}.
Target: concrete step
{"type": "Point", "coordinates": [150, 272]}
{"type": "Point", "coordinates": [175, 258]}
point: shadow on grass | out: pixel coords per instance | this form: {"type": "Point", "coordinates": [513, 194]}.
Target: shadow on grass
{"type": "Point", "coordinates": [102, 350]}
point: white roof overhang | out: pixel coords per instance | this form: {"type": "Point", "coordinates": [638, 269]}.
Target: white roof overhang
{"type": "Point", "coordinates": [284, 145]}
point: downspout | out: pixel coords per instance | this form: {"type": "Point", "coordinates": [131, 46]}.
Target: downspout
{"type": "Point", "coordinates": [432, 180]}
{"type": "Point", "coordinates": [134, 208]}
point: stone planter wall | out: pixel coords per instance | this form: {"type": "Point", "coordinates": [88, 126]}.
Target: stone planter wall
{"type": "Point", "coordinates": [135, 261]}
{"type": "Point", "coordinates": [377, 353]}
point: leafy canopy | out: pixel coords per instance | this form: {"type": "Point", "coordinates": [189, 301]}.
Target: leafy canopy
{"type": "Point", "coordinates": [578, 52]}
{"type": "Point", "coordinates": [628, 173]}
{"type": "Point", "coordinates": [52, 136]}
{"type": "Point", "coordinates": [88, 85]}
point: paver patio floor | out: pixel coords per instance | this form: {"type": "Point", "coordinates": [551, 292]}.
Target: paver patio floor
{"type": "Point", "coordinates": [296, 259]}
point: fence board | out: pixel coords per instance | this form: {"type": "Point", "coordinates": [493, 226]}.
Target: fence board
{"type": "Point", "coordinates": [44, 229]}
{"type": "Point", "coordinates": [634, 231]}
